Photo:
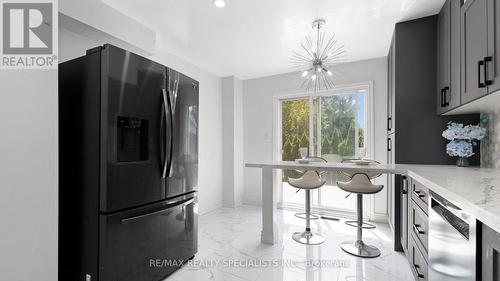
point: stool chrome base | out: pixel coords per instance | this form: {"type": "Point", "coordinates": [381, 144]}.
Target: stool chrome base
{"type": "Point", "coordinates": [308, 238]}
{"type": "Point", "coordinates": [360, 249]}
{"type": "Point", "coordinates": [303, 216]}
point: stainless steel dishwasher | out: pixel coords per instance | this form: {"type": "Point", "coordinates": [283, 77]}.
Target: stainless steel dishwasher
{"type": "Point", "coordinates": [452, 242]}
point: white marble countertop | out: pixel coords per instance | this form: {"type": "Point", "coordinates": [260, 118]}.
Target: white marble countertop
{"type": "Point", "coordinates": [475, 190]}
{"type": "Point", "coordinates": [330, 166]}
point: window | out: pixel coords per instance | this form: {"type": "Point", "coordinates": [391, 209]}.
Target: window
{"type": "Point", "coordinates": [333, 125]}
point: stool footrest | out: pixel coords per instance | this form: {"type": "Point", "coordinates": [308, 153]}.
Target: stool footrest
{"type": "Point", "coordinates": [365, 225]}
{"type": "Point", "coordinates": [303, 216]}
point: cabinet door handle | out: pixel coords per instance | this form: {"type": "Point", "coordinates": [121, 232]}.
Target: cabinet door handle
{"type": "Point", "coordinates": [389, 123]}
{"type": "Point", "coordinates": [445, 100]}
{"type": "Point", "coordinates": [479, 83]}
{"type": "Point", "coordinates": [404, 190]}
{"type": "Point", "coordinates": [416, 228]}
{"type": "Point", "coordinates": [486, 60]}
{"type": "Point", "coordinates": [419, 193]}
{"type": "Point", "coordinates": [442, 97]}
{"type": "Point", "coordinates": [389, 144]}
{"type": "Point", "coordinates": [420, 275]}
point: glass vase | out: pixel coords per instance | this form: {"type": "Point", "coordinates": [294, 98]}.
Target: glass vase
{"type": "Point", "coordinates": [462, 162]}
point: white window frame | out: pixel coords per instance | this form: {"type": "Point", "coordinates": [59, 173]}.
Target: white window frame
{"type": "Point", "coordinates": [370, 146]}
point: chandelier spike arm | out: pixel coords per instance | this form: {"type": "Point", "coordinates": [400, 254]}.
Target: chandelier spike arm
{"type": "Point", "coordinates": [323, 36]}
{"type": "Point", "coordinates": [331, 43]}
{"type": "Point", "coordinates": [327, 50]}
{"type": "Point", "coordinates": [340, 50]}
{"type": "Point", "coordinates": [300, 57]}
{"type": "Point", "coordinates": [307, 50]}
{"type": "Point", "coordinates": [309, 45]}
{"type": "Point", "coordinates": [317, 40]}
{"type": "Point", "coordinates": [322, 43]}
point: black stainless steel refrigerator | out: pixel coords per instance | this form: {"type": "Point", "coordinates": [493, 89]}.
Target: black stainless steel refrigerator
{"type": "Point", "coordinates": [128, 167]}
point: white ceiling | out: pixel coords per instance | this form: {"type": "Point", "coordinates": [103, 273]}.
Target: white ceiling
{"type": "Point", "coordinates": [254, 38]}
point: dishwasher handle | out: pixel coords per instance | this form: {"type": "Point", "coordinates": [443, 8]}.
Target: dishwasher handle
{"type": "Point", "coordinates": [452, 214]}
{"type": "Point", "coordinates": [449, 206]}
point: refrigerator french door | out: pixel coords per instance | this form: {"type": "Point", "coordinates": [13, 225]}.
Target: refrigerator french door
{"type": "Point", "coordinates": [132, 152]}
{"type": "Point", "coordinates": [182, 169]}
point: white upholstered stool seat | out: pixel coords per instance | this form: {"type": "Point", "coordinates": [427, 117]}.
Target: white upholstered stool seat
{"type": "Point", "coordinates": [309, 180]}
{"type": "Point", "coordinates": [360, 184]}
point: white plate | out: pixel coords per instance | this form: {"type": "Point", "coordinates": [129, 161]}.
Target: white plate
{"type": "Point", "coordinates": [302, 161]}
{"type": "Point", "coordinates": [361, 162]}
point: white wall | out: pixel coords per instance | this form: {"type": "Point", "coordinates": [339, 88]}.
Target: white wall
{"type": "Point", "coordinates": [96, 14]}
{"type": "Point", "coordinates": [232, 124]}
{"type": "Point", "coordinates": [258, 115]}
{"type": "Point", "coordinates": [28, 175]}
{"type": "Point", "coordinates": [72, 45]}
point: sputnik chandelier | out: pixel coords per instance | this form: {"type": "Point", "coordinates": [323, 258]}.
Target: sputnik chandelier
{"type": "Point", "coordinates": [317, 60]}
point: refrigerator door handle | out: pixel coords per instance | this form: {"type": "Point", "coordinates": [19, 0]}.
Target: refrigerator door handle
{"type": "Point", "coordinates": [166, 106]}
{"type": "Point", "coordinates": [171, 148]}
{"type": "Point", "coordinates": [183, 202]}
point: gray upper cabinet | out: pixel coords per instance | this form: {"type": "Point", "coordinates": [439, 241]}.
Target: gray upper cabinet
{"type": "Point", "coordinates": [468, 49]}
{"type": "Point", "coordinates": [391, 87]}
{"type": "Point", "coordinates": [474, 49]}
{"type": "Point", "coordinates": [452, 96]}
{"type": "Point", "coordinates": [444, 39]}
{"type": "Point", "coordinates": [448, 93]}
{"type": "Point", "coordinates": [492, 61]}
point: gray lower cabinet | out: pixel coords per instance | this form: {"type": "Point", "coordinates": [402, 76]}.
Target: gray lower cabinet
{"type": "Point", "coordinates": [490, 254]}
{"type": "Point", "coordinates": [448, 93]}
{"type": "Point", "coordinates": [420, 195]}
{"type": "Point", "coordinates": [416, 228]}
{"type": "Point", "coordinates": [404, 197]}
{"type": "Point", "coordinates": [419, 225]}
{"type": "Point", "coordinates": [414, 223]}
{"type": "Point", "coordinates": [418, 261]}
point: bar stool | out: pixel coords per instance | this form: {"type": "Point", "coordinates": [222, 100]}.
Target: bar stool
{"type": "Point", "coordinates": [308, 181]}
{"type": "Point", "coordinates": [360, 184]}
{"type": "Point", "coordinates": [317, 160]}
{"type": "Point", "coordinates": [372, 176]}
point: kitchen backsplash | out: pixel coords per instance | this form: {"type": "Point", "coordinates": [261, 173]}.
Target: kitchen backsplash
{"type": "Point", "coordinates": [490, 146]}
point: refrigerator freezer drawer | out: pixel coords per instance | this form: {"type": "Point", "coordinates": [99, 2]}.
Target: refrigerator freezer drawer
{"type": "Point", "coordinates": [147, 244]}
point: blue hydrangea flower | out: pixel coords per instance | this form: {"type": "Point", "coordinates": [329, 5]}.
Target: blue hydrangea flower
{"type": "Point", "coordinates": [460, 148]}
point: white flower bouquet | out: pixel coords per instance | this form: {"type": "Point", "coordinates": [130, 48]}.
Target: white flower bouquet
{"type": "Point", "coordinates": [462, 139]}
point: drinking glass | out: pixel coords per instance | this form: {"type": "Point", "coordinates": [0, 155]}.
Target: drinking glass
{"type": "Point", "coordinates": [303, 152]}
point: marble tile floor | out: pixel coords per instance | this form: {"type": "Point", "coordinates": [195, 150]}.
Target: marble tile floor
{"type": "Point", "coordinates": [230, 249]}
